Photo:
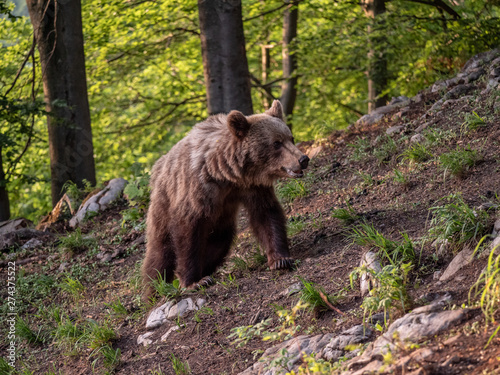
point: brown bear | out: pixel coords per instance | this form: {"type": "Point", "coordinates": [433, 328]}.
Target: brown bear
{"type": "Point", "coordinates": [225, 162]}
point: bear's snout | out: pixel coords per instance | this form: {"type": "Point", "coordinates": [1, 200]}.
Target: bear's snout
{"type": "Point", "coordinates": [304, 161]}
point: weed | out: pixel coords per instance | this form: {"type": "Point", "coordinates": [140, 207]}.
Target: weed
{"type": "Point", "coordinates": [417, 153]}
{"type": "Point", "coordinates": [203, 311]}
{"type": "Point", "coordinates": [366, 177]}
{"type": "Point", "coordinates": [98, 335]}
{"type": "Point", "coordinates": [399, 177]}
{"type": "Point", "coordinates": [311, 295]}
{"type": "Point", "coordinates": [74, 287]}
{"type": "Point", "coordinates": [137, 193]}
{"type": "Point", "coordinates": [390, 291]}
{"type": "Point", "coordinates": [385, 148]}
{"type": "Point", "coordinates": [77, 194]}
{"type": "Point", "coordinates": [295, 225]}
{"type": "Point", "coordinates": [110, 356]}
{"type": "Point", "coordinates": [5, 368]}
{"type": "Point", "coordinates": [242, 335]}
{"type": "Point", "coordinates": [346, 215]}
{"type": "Point", "coordinates": [157, 372]}
{"type": "Point", "coordinates": [360, 148]}
{"type": "Point", "coordinates": [290, 190]}
{"type": "Point", "coordinates": [472, 122]}
{"type": "Point", "coordinates": [75, 242]}
{"type": "Point", "coordinates": [32, 289]}
{"type": "Point", "coordinates": [169, 290]}
{"type": "Point", "coordinates": [258, 257]}
{"type": "Point", "coordinates": [180, 367]}
{"type": "Point", "coordinates": [459, 161]}
{"type": "Point", "coordinates": [239, 263]}
{"type": "Point", "coordinates": [455, 221]}
{"type": "Point", "coordinates": [117, 308]}
{"type": "Point", "coordinates": [24, 331]}
{"type": "Point", "coordinates": [67, 333]}
{"type": "Point", "coordinates": [395, 252]}
{"type": "Point", "coordinates": [490, 291]}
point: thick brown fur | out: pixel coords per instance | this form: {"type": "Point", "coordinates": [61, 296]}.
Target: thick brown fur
{"type": "Point", "coordinates": [225, 162]}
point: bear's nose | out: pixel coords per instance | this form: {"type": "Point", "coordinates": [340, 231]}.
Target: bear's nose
{"type": "Point", "coordinates": [304, 161]}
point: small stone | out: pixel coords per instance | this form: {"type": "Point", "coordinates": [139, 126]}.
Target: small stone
{"type": "Point", "coordinates": [394, 129]}
{"type": "Point", "coordinates": [200, 302]}
{"type": "Point", "coordinates": [461, 260]}
{"type": "Point", "coordinates": [417, 138]}
{"type": "Point", "coordinates": [496, 228]}
{"type": "Point", "coordinates": [437, 275]}
{"type": "Point", "coordinates": [32, 244]}
{"type": "Point", "coordinates": [158, 316]}
{"type": "Point", "coordinates": [292, 289]}
{"type": "Point", "coordinates": [452, 340]}
{"type": "Point", "coordinates": [144, 340]}
{"type": "Point", "coordinates": [379, 318]}
{"type": "Point", "coordinates": [181, 308]}
{"type": "Point", "coordinates": [62, 267]}
{"type": "Point", "coordinates": [370, 259]}
{"type": "Point", "coordinates": [166, 334]}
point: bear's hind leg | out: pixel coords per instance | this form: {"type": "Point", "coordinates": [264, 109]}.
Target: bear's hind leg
{"type": "Point", "coordinates": [218, 246]}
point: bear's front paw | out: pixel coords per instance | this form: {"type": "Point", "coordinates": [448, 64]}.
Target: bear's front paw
{"type": "Point", "coordinates": [206, 281]}
{"type": "Point", "coordinates": [282, 263]}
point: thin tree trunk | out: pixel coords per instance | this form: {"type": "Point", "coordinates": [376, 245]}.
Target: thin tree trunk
{"type": "Point", "coordinates": [57, 28]}
{"type": "Point", "coordinates": [227, 77]}
{"type": "Point", "coordinates": [289, 87]}
{"type": "Point", "coordinates": [377, 69]}
{"type": "Point", "coordinates": [4, 195]}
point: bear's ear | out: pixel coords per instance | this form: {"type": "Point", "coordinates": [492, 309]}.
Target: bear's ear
{"type": "Point", "coordinates": [276, 110]}
{"type": "Point", "coordinates": [238, 124]}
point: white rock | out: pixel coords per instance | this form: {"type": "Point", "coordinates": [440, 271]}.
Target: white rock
{"type": "Point", "coordinates": [292, 289]}
{"type": "Point", "coordinates": [417, 138]}
{"type": "Point", "coordinates": [32, 244]}
{"type": "Point", "coordinates": [496, 228]}
{"type": "Point", "coordinates": [181, 308]}
{"type": "Point", "coordinates": [158, 316]}
{"type": "Point", "coordinates": [200, 302]}
{"type": "Point", "coordinates": [166, 334]}
{"type": "Point", "coordinates": [144, 340]}
{"type": "Point", "coordinates": [370, 259]}
{"type": "Point", "coordinates": [461, 260]}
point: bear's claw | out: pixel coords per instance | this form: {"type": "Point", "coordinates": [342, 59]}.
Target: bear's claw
{"type": "Point", "coordinates": [206, 281]}
{"type": "Point", "coordinates": [282, 263]}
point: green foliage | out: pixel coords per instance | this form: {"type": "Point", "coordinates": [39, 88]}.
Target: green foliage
{"type": "Point", "coordinates": [110, 356]}
{"type": "Point", "coordinates": [242, 335]}
{"type": "Point", "coordinates": [399, 177]}
{"type": "Point", "coordinates": [5, 368]}
{"type": "Point", "coordinates": [137, 192]}
{"type": "Point", "coordinates": [169, 290]}
{"type": "Point", "coordinates": [75, 242]}
{"type": "Point", "coordinates": [395, 252]}
{"type": "Point", "coordinates": [33, 289]}
{"type": "Point", "coordinates": [24, 331]}
{"type": "Point", "coordinates": [311, 295]}
{"type": "Point", "coordinates": [418, 153]}
{"type": "Point", "coordinates": [117, 308]}
{"type": "Point", "coordinates": [291, 189]}
{"type": "Point", "coordinates": [473, 122]}
{"type": "Point", "coordinates": [459, 161]}
{"type": "Point", "coordinates": [359, 149]}
{"type": "Point", "coordinates": [455, 221]}
{"type": "Point", "coordinates": [295, 225]}
{"type": "Point", "coordinates": [73, 287]}
{"type": "Point", "coordinates": [385, 148]}
{"type": "Point", "coordinates": [390, 290]}
{"type": "Point", "coordinates": [98, 335]}
{"type": "Point", "coordinates": [346, 215]}
{"type": "Point", "coordinates": [180, 367]}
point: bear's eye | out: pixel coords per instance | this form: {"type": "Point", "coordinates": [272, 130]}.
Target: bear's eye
{"type": "Point", "coordinates": [277, 145]}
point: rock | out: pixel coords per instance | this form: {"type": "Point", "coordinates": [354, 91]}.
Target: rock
{"type": "Point", "coordinates": [139, 240]}
{"type": "Point", "coordinates": [399, 100]}
{"type": "Point", "coordinates": [166, 334]}
{"type": "Point", "coordinates": [14, 225]}
{"type": "Point", "coordinates": [495, 72]}
{"type": "Point", "coordinates": [394, 129]}
{"type": "Point", "coordinates": [144, 339]}
{"type": "Point", "coordinates": [437, 105]}
{"type": "Point", "coordinates": [336, 347]}
{"type": "Point", "coordinates": [417, 138]}
{"type": "Point", "coordinates": [295, 350]}
{"type": "Point", "coordinates": [370, 260]}
{"type": "Point", "coordinates": [475, 75]}
{"type": "Point", "coordinates": [158, 316]}
{"type": "Point", "coordinates": [184, 306]}
{"type": "Point", "coordinates": [462, 259]}
{"type": "Point", "coordinates": [437, 275]}
{"type": "Point", "coordinates": [496, 228]}
{"type": "Point", "coordinates": [200, 302]}
{"type": "Point", "coordinates": [442, 247]}
{"type": "Point", "coordinates": [379, 318]}
{"type": "Point", "coordinates": [458, 91]}
{"type": "Point", "coordinates": [32, 244]}
{"type": "Point", "coordinates": [62, 267]}
{"type": "Point", "coordinates": [495, 244]}
{"type": "Point", "coordinates": [292, 289]}
{"type": "Point", "coordinates": [17, 237]}
{"type": "Point", "coordinates": [377, 115]}
{"type": "Point", "coordinates": [99, 201]}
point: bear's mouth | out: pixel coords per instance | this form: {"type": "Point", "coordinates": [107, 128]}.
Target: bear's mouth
{"type": "Point", "coordinates": [294, 174]}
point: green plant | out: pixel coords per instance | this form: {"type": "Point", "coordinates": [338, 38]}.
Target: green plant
{"type": "Point", "coordinates": [366, 177]}
{"type": "Point", "coordinates": [110, 356]}
{"type": "Point", "coordinates": [5, 368]}
{"type": "Point", "coordinates": [455, 221]}
{"type": "Point", "coordinates": [346, 215]}
{"type": "Point", "coordinates": [242, 335]}
{"type": "Point", "coordinates": [289, 190]}
{"type": "Point", "coordinates": [117, 308]}
{"type": "Point", "coordinates": [24, 331]}
{"type": "Point", "coordinates": [76, 193]}
{"type": "Point", "coordinates": [76, 242]}
{"type": "Point", "coordinates": [395, 252]}
{"type": "Point", "coordinates": [295, 225]}
{"type": "Point", "coordinates": [169, 290]}
{"type": "Point", "coordinates": [399, 177]}
{"type": "Point", "coordinates": [360, 148]}
{"type": "Point", "coordinates": [418, 153]}
{"type": "Point", "coordinates": [472, 122]}
{"type": "Point", "coordinates": [180, 367]}
{"type": "Point", "coordinates": [313, 295]}
{"type": "Point", "coordinates": [98, 335]}
{"type": "Point", "coordinates": [239, 263]}
{"type": "Point", "coordinates": [488, 287]}
{"type": "Point", "coordinates": [67, 333]}
{"type": "Point", "coordinates": [258, 257]}
{"type": "Point", "coordinates": [73, 286]}
{"type": "Point", "coordinates": [385, 148]}
{"type": "Point", "coordinates": [390, 290]}
{"type": "Point", "coordinates": [137, 192]}
{"type": "Point", "coordinates": [203, 311]}
{"type": "Point", "coordinates": [459, 161]}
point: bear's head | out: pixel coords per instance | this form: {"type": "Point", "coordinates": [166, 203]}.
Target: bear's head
{"type": "Point", "coordinates": [269, 143]}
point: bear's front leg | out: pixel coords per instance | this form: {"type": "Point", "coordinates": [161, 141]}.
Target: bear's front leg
{"type": "Point", "coordinates": [268, 223]}
{"type": "Point", "coordinates": [190, 241]}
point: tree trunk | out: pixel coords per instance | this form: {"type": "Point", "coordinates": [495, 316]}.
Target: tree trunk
{"type": "Point", "coordinates": [225, 63]}
{"type": "Point", "coordinates": [377, 68]}
{"type": "Point", "coordinates": [57, 28]}
{"type": "Point", "coordinates": [4, 196]}
{"type": "Point", "coordinates": [289, 88]}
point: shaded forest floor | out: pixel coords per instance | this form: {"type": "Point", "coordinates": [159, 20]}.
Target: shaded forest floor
{"type": "Point", "coordinates": [378, 179]}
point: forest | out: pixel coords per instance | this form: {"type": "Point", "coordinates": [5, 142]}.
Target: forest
{"type": "Point", "coordinates": [146, 88]}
